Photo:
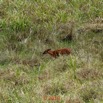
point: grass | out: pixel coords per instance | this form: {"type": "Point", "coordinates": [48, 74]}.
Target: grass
{"type": "Point", "coordinates": [27, 28]}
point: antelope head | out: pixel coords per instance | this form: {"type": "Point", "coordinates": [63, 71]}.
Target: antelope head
{"type": "Point", "coordinates": [46, 51]}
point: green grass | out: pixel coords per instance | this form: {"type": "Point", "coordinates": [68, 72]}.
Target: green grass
{"type": "Point", "coordinates": [27, 28]}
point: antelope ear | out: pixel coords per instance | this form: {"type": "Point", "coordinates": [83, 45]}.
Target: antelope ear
{"type": "Point", "coordinates": [48, 49]}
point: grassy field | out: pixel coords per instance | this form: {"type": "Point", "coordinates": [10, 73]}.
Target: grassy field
{"type": "Point", "coordinates": [27, 28]}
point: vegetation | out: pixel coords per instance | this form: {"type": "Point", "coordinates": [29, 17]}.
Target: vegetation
{"type": "Point", "coordinates": [27, 28]}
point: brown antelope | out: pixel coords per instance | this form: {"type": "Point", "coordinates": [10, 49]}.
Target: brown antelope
{"type": "Point", "coordinates": [57, 52]}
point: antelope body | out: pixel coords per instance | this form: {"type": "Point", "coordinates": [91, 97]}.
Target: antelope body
{"type": "Point", "coordinates": [58, 52]}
